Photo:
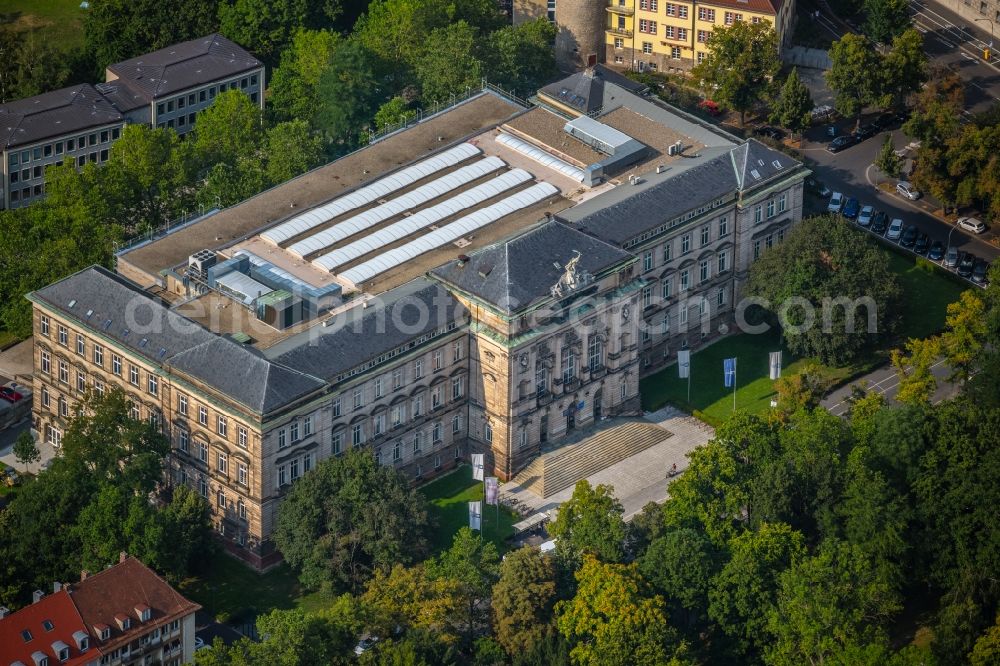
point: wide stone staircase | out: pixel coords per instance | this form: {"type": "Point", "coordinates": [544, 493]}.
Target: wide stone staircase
{"type": "Point", "coordinates": [561, 468]}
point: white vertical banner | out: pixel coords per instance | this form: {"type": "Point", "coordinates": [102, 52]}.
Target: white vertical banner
{"type": "Point", "coordinates": [477, 466]}
{"type": "Point", "coordinates": [476, 516]}
{"type": "Point", "coordinates": [775, 365]}
{"type": "Point", "coordinates": [684, 363]}
{"type": "Point", "coordinates": [492, 489]}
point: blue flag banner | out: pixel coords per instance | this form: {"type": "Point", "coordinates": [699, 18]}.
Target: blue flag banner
{"type": "Point", "coordinates": [729, 371]}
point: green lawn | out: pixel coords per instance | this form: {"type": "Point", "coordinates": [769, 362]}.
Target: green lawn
{"type": "Point", "coordinates": [7, 339]}
{"type": "Point", "coordinates": [449, 497]}
{"type": "Point", "coordinates": [232, 591]}
{"type": "Point", "coordinates": [57, 22]}
{"type": "Point", "coordinates": [926, 296]}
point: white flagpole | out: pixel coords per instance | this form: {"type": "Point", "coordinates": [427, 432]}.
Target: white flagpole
{"type": "Point", "coordinates": [734, 383]}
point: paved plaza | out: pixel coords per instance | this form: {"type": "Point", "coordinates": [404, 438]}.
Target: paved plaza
{"type": "Point", "coordinates": [641, 478]}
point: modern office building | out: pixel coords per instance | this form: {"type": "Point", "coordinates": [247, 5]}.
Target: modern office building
{"type": "Point", "coordinates": [125, 614]}
{"type": "Point", "coordinates": [492, 279]}
{"type": "Point", "coordinates": [75, 124]}
{"type": "Point", "coordinates": [165, 88]}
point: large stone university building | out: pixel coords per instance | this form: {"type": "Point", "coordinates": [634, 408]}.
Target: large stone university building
{"type": "Point", "coordinates": [491, 279]}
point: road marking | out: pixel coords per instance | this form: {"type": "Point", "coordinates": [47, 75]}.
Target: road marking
{"type": "Point", "coordinates": [872, 386]}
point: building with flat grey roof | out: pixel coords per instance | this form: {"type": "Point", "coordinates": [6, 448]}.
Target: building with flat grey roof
{"type": "Point", "coordinates": [75, 124]}
{"type": "Point", "coordinates": [166, 88]}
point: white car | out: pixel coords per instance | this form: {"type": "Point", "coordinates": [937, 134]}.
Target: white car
{"type": "Point", "coordinates": [972, 224]}
{"type": "Point", "coordinates": [907, 190]}
{"type": "Point", "coordinates": [895, 229]}
{"type": "Point", "coordinates": [836, 203]}
{"type": "Point", "coordinates": [866, 215]}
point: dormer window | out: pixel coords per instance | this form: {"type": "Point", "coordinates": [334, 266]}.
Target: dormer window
{"type": "Point", "coordinates": [61, 650]}
{"type": "Point", "coordinates": [47, 625]}
{"type": "Point", "coordinates": [82, 640]}
{"type": "Point", "coordinates": [103, 630]}
{"type": "Point", "coordinates": [143, 612]}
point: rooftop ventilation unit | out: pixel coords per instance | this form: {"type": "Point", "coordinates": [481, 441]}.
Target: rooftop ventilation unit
{"type": "Point", "coordinates": [202, 260]}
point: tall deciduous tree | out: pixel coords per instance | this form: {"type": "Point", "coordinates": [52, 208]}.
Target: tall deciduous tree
{"type": "Point", "coordinates": [613, 620]}
{"type": "Point", "coordinates": [474, 565]}
{"type": "Point", "coordinates": [852, 297]}
{"type": "Point", "coordinates": [348, 517]}
{"type": "Point", "coordinates": [856, 75]}
{"type": "Point", "coordinates": [266, 27]}
{"type": "Point", "coordinates": [905, 66]}
{"type": "Point", "coordinates": [521, 57]}
{"type": "Point", "coordinates": [523, 600]}
{"type": "Point", "coordinates": [293, 89]}
{"type": "Point", "coordinates": [680, 566]}
{"type": "Point", "coordinates": [590, 521]}
{"type": "Point", "coordinates": [887, 161]}
{"type": "Point", "coordinates": [347, 96]}
{"type": "Point", "coordinates": [408, 598]}
{"type": "Point", "coordinates": [746, 590]}
{"type": "Point", "coordinates": [228, 130]}
{"type": "Point", "coordinates": [792, 109]}
{"type": "Point", "coordinates": [916, 381]}
{"type": "Point", "coordinates": [885, 19]}
{"type": "Point", "coordinates": [964, 334]}
{"type": "Point", "coordinates": [25, 450]}
{"type": "Point", "coordinates": [741, 62]}
{"type": "Point", "coordinates": [448, 64]}
{"type": "Point", "coordinates": [290, 149]}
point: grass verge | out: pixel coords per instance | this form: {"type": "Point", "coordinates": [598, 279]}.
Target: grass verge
{"type": "Point", "coordinates": [449, 497]}
{"type": "Point", "coordinates": [56, 22]}
{"type": "Point", "coordinates": [926, 295]}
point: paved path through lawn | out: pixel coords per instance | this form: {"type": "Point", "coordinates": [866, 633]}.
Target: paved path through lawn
{"type": "Point", "coordinates": [641, 478]}
{"type": "Point", "coordinates": [885, 381]}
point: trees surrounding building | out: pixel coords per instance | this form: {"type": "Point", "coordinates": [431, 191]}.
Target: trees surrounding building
{"type": "Point", "coordinates": [792, 109]}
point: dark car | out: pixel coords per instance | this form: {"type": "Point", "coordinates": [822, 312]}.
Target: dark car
{"type": "Point", "coordinates": [909, 237]}
{"type": "Point", "coordinates": [851, 209]}
{"type": "Point", "coordinates": [880, 222]}
{"type": "Point", "coordinates": [770, 132]}
{"type": "Point", "coordinates": [936, 252]}
{"type": "Point", "coordinates": [10, 395]}
{"type": "Point", "coordinates": [841, 142]}
{"type": "Point", "coordinates": [966, 264]}
{"type": "Point", "coordinates": [865, 132]}
{"type": "Point", "coordinates": [922, 244]}
{"type": "Point", "coordinates": [980, 270]}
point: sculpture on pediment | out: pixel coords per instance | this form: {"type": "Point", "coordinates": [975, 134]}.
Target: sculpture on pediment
{"type": "Point", "coordinates": [571, 279]}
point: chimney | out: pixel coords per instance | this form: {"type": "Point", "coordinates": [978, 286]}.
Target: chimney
{"type": "Point", "coordinates": [56, 586]}
{"type": "Point", "coordinates": [83, 574]}
{"type": "Point", "coordinates": [4, 612]}
{"type": "Point", "coordinates": [121, 556]}
{"type": "Point", "coordinates": [36, 596]}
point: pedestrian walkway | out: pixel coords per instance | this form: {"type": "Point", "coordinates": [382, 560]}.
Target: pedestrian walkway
{"type": "Point", "coordinates": [640, 478]}
{"type": "Point", "coordinates": [885, 382]}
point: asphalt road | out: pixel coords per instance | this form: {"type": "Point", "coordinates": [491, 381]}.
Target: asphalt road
{"type": "Point", "coordinates": [884, 381]}
{"type": "Point", "coordinates": [851, 172]}
{"type": "Point", "coordinates": [956, 42]}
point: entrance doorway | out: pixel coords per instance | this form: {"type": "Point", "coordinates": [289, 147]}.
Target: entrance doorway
{"type": "Point", "coordinates": [543, 429]}
{"type": "Point", "coordinates": [597, 405]}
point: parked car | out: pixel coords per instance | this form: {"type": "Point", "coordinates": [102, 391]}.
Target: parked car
{"type": "Point", "coordinates": [836, 203]}
{"type": "Point", "coordinates": [851, 209]}
{"type": "Point", "coordinates": [980, 270]}
{"type": "Point", "coordinates": [907, 190]}
{"type": "Point", "coordinates": [936, 252]}
{"type": "Point", "coordinates": [365, 644]}
{"type": "Point", "coordinates": [971, 224]}
{"type": "Point", "coordinates": [880, 222]}
{"type": "Point", "coordinates": [866, 215]}
{"type": "Point", "coordinates": [10, 395]}
{"type": "Point", "coordinates": [841, 142]}
{"type": "Point", "coordinates": [909, 237]}
{"type": "Point", "coordinates": [770, 132]}
{"type": "Point", "coordinates": [865, 132]}
{"type": "Point", "coordinates": [895, 229]}
{"type": "Point", "coordinates": [951, 257]}
{"type": "Point", "coordinates": [922, 244]}
{"type": "Point", "coordinates": [966, 264]}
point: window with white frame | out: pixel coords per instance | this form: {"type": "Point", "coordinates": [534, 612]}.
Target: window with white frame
{"type": "Point", "coordinates": [46, 362]}
{"type": "Point", "coordinates": [782, 201]}
{"type": "Point", "coordinates": [63, 372]}
{"type": "Point", "coordinates": [397, 378]}
{"type": "Point", "coordinates": [685, 280]}
{"type": "Point", "coordinates": [675, 52]}
{"type": "Point", "coordinates": [647, 296]}
{"type": "Point", "coordinates": [397, 450]}
{"type": "Point", "coordinates": [241, 509]}
{"type": "Point", "coordinates": [358, 396]}
{"type": "Point", "coordinates": [723, 226]}
{"type": "Point", "coordinates": [202, 415]}
{"type": "Point", "coordinates": [723, 261]}
{"type": "Point", "coordinates": [720, 297]}
{"type": "Point", "coordinates": [568, 366]}
{"type": "Point", "coordinates": [335, 408]}
{"type": "Point", "coordinates": [758, 213]}
{"type": "Point", "coordinates": [152, 384]}
{"type": "Point", "coordinates": [647, 260]}
{"type": "Point", "coordinates": [241, 437]}
{"type": "Point", "coordinates": [667, 251]}
{"type": "Point", "coordinates": [456, 423]}
{"type": "Point", "coordinates": [595, 352]}
{"type": "Point", "coordinates": [457, 388]}
{"type": "Point", "coordinates": [705, 14]}
{"type": "Point", "coordinates": [222, 463]}
{"type": "Point", "coordinates": [43, 325]}
{"type": "Point", "coordinates": [685, 243]}
{"type": "Point", "coordinates": [418, 442]}
{"type": "Point", "coordinates": [770, 209]}
{"type": "Point", "coordinates": [337, 443]}
{"type": "Point", "coordinates": [647, 47]}
{"type": "Point", "coordinates": [116, 365]}
{"type": "Point", "coordinates": [458, 351]}
{"type": "Point", "coordinates": [282, 438]}
{"type": "Point", "coordinates": [541, 381]}
{"type": "Point", "coordinates": [133, 375]}
{"type": "Point", "coordinates": [378, 424]}
{"type": "Point", "coordinates": [293, 431]}
{"type": "Point", "coordinates": [203, 452]}
{"type": "Point", "coordinates": [418, 368]}
{"type": "Point", "coordinates": [666, 288]}
{"type": "Point", "coordinates": [705, 271]}
{"type": "Point", "coordinates": [436, 397]}
{"type": "Point", "coordinates": [307, 426]}
{"type": "Point", "coordinates": [183, 439]}
{"type": "Point", "coordinates": [81, 345]}
{"type": "Point", "coordinates": [437, 358]}
{"type": "Point", "coordinates": [63, 336]}
{"type": "Point", "coordinates": [221, 425]}
{"type": "Point", "coordinates": [182, 404]}
{"type": "Point", "coordinates": [378, 388]}
{"type": "Point", "coordinates": [418, 406]}
{"type": "Point", "coordinates": [436, 433]}
{"type": "Point", "coordinates": [307, 462]}
{"type": "Point", "coordinates": [706, 235]}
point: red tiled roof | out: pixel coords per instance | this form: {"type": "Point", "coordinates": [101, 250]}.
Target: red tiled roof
{"type": "Point", "coordinates": [56, 608]}
{"type": "Point", "coordinates": [120, 590]}
{"type": "Point", "coordinates": [758, 6]}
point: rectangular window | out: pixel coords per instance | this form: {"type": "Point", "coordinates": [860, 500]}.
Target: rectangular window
{"type": "Point", "coordinates": [647, 47]}
{"type": "Point", "coordinates": [418, 442]}
{"type": "Point", "coordinates": [541, 381]}
{"type": "Point", "coordinates": [241, 509]}
{"type": "Point", "coordinates": [378, 388]}
{"type": "Point", "coordinates": [335, 407]}
{"type": "Point", "coordinates": [458, 351]}
{"type": "Point", "coordinates": [307, 426]}
{"type": "Point", "coordinates": [729, 18]}
{"type": "Point", "coordinates": [723, 227]}
{"type": "Point", "coordinates": [64, 408]}
{"type": "Point", "coordinates": [706, 14]}
{"type": "Point", "coordinates": [675, 52]}
{"type": "Point", "coordinates": [152, 384]}
{"type": "Point", "coordinates": [436, 433]}
{"type": "Point", "coordinates": [756, 249]}
{"type": "Point", "coordinates": [378, 425]}
{"type": "Point", "coordinates": [46, 362]}
{"type": "Point", "coordinates": [202, 416]}
{"type": "Point", "coordinates": [685, 280]}
{"type": "Point", "coordinates": [133, 375]}
{"type": "Point", "coordinates": [667, 251]}
{"type": "Point", "coordinates": [221, 425]}
{"type": "Point", "coordinates": [81, 345]}
{"type": "Point", "coordinates": [648, 27]}
{"type": "Point", "coordinates": [98, 355]}
{"type": "Point", "coordinates": [669, 31]}
{"type": "Point", "coordinates": [418, 368]}
{"type": "Point", "coordinates": [456, 388]}
{"type": "Point", "coordinates": [683, 318]}
{"type": "Point", "coordinates": [685, 243]}
{"type": "Point", "coordinates": [568, 366]}
{"type": "Point", "coordinates": [182, 404]}
{"type": "Point", "coordinates": [116, 365]}
{"type": "Point", "coordinates": [647, 296]}
{"type": "Point", "coordinates": [241, 436]}
{"type": "Point", "coordinates": [358, 398]}
{"type": "Point", "coordinates": [63, 372]}
{"type": "Point", "coordinates": [418, 406]}
{"type": "Point", "coordinates": [723, 261]}
{"type": "Point", "coordinates": [456, 423]}
{"type": "Point", "coordinates": [307, 462]}
{"type": "Point", "coordinates": [704, 35]}
{"type": "Point", "coordinates": [203, 452]}
{"type": "Point", "coordinates": [437, 359]}
{"type": "Point", "coordinates": [671, 9]}
{"type": "Point", "coordinates": [293, 469]}
{"type": "Point", "coordinates": [595, 353]}
{"type": "Point", "coordinates": [706, 234]}
{"type": "Point", "coordinates": [337, 443]}
{"type": "Point", "coordinates": [222, 462]}
{"type": "Point", "coordinates": [293, 431]}
{"type": "Point", "coordinates": [397, 379]}
{"type": "Point", "coordinates": [46, 399]}
{"type": "Point", "coordinates": [81, 381]}
{"type": "Point", "coordinates": [436, 397]}
{"type": "Point", "coordinates": [63, 336]}
{"type": "Point", "coordinates": [619, 43]}
{"type": "Point", "coordinates": [705, 271]}
{"type": "Point", "coordinates": [682, 33]}
{"type": "Point", "coordinates": [358, 434]}
{"type": "Point", "coordinates": [770, 209]}
{"type": "Point", "coordinates": [782, 200]}
{"type": "Point", "coordinates": [721, 297]}
{"type": "Point", "coordinates": [758, 213]}
{"type": "Point", "coordinates": [647, 260]}
{"type": "Point", "coordinates": [397, 451]}
{"type": "Point", "coordinates": [282, 475]}
{"type": "Point", "coordinates": [183, 440]}
{"type": "Point", "coordinates": [667, 288]}
{"type": "Point", "coordinates": [396, 418]}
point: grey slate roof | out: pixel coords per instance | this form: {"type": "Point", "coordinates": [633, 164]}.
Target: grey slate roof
{"type": "Point", "coordinates": [244, 374]}
{"type": "Point", "coordinates": [123, 96]}
{"type": "Point", "coordinates": [629, 210]}
{"type": "Point", "coordinates": [518, 272]}
{"type": "Point", "coordinates": [52, 114]}
{"type": "Point", "coordinates": [150, 329]}
{"type": "Point", "coordinates": [390, 321]}
{"type": "Point", "coordinates": [184, 65]}
{"type": "Point", "coordinates": [584, 90]}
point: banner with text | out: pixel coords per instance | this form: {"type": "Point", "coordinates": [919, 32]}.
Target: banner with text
{"type": "Point", "coordinates": [477, 466]}
{"type": "Point", "coordinates": [683, 363]}
{"type": "Point", "coordinates": [492, 489]}
{"type": "Point", "coordinates": [476, 516]}
{"type": "Point", "coordinates": [774, 365]}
